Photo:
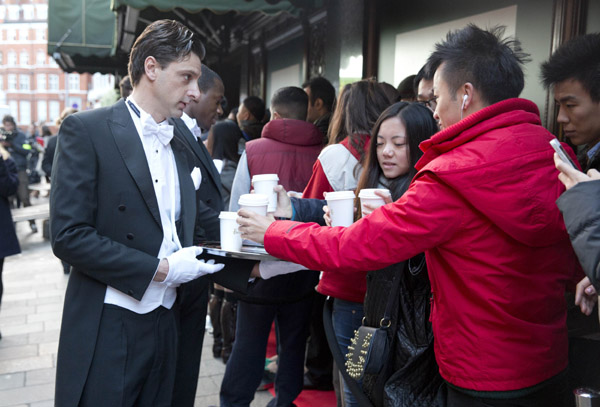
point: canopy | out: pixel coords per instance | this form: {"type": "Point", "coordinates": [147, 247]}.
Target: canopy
{"type": "Point", "coordinates": [216, 6]}
{"type": "Point", "coordinates": [81, 34]}
{"type": "Point", "coordinates": [96, 35]}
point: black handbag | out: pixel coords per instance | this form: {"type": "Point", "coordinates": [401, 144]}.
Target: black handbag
{"type": "Point", "coordinates": [369, 349]}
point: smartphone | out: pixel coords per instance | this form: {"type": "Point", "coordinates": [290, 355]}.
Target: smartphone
{"type": "Point", "coordinates": [562, 154]}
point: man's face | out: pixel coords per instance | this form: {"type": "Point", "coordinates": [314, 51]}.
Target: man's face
{"type": "Point", "coordinates": [578, 113]}
{"type": "Point", "coordinates": [425, 94]}
{"type": "Point", "coordinates": [242, 114]}
{"type": "Point", "coordinates": [312, 113]}
{"type": "Point", "coordinates": [448, 109]}
{"type": "Point", "coordinates": [176, 85]}
{"type": "Point", "coordinates": [8, 126]}
{"type": "Point", "coordinates": [207, 108]}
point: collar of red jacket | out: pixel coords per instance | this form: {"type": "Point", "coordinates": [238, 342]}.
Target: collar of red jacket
{"type": "Point", "coordinates": [504, 113]}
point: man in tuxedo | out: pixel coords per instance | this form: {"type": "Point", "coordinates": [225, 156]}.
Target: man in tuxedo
{"type": "Point", "coordinates": [122, 214]}
{"type": "Point", "coordinates": [199, 116]}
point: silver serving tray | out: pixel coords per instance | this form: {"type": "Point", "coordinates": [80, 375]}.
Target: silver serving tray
{"type": "Point", "coordinates": [257, 253]}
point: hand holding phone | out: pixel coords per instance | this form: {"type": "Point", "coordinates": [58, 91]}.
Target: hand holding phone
{"type": "Point", "coordinates": [562, 154]}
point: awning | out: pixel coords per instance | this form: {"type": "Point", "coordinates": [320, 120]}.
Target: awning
{"type": "Point", "coordinates": [81, 35]}
{"type": "Point", "coordinates": [216, 6]}
{"type": "Point", "coordinates": [96, 35]}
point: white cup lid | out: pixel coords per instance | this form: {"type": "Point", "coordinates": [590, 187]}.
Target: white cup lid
{"type": "Point", "coordinates": [332, 196]}
{"type": "Point", "coordinates": [370, 193]}
{"type": "Point", "coordinates": [265, 177]}
{"type": "Point", "coordinates": [253, 200]}
{"type": "Point", "coordinates": [228, 215]}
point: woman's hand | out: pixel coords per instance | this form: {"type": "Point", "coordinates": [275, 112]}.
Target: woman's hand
{"type": "Point", "coordinates": [327, 215]}
{"type": "Point", "coordinates": [586, 296]}
{"type": "Point", "coordinates": [284, 203]}
{"type": "Point", "coordinates": [366, 209]}
{"type": "Point", "coordinates": [253, 226]}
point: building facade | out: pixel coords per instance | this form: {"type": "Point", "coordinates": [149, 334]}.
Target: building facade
{"type": "Point", "coordinates": [32, 85]}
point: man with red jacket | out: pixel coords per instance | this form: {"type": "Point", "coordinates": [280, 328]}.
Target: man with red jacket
{"type": "Point", "coordinates": [482, 208]}
{"type": "Point", "coordinates": [288, 147]}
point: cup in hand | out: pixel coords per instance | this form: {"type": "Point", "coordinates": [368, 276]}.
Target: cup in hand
{"type": "Point", "coordinates": [341, 207]}
{"type": "Point", "coordinates": [368, 196]}
{"type": "Point", "coordinates": [231, 239]}
{"type": "Point", "coordinates": [264, 184]}
{"type": "Point", "coordinates": [257, 203]}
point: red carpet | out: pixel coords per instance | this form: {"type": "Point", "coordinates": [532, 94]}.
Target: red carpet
{"type": "Point", "coordinates": [308, 398]}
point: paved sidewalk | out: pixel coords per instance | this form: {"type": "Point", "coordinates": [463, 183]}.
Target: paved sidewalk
{"type": "Point", "coordinates": [30, 314]}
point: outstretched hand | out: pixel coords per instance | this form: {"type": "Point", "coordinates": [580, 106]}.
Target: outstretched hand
{"type": "Point", "coordinates": [254, 226]}
{"type": "Point", "coordinates": [586, 296]}
{"type": "Point", "coordinates": [284, 203]}
{"type": "Point", "coordinates": [570, 176]}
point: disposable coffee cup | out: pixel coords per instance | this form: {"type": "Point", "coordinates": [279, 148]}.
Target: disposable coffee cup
{"type": "Point", "coordinates": [368, 196]}
{"type": "Point", "coordinates": [341, 207]}
{"type": "Point", "coordinates": [231, 239]}
{"type": "Point", "coordinates": [264, 184]}
{"type": "Point", "coordinates": [586, 397]}
{"type": "Point", "coordinates": [257, 203]}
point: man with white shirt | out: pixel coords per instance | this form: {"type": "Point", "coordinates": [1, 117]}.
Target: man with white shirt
{"type": "Point", "coordinates": [123, 211]}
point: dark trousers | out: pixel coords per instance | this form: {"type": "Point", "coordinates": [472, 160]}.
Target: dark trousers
{"type": "Point", "coordinates": [553, 394]}
{"type": "Point", "coordinates": [1, 286]}
{"type": "Point", "coordinates": [192, 303]}
{"type": "Point", "coordinates": [23, 188]}
{"type": "Point", "coordinates": [245, 366]}
{"type": "Point", "coordinates": [134, 359]}
{"type": "Point", "coordinates": [319, 361]}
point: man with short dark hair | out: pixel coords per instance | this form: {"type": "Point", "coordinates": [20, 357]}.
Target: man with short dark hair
{"type": "Point", "coordinates": [321, 100]}
{"type": "Point", "coordinates": [288, 147]}
{"type": "Point", "coordinates": [482, 208]}
{"type": "Point", "coordinates": [250, 117]}
{"type": "Point", "coordinates": [15, 141]}
{"type": "Point", "coordinates": [122, 210]}
{"type": "Point", "coordinates": [423, 86]}
{"type": "Point", "coordinates": [573, 73]}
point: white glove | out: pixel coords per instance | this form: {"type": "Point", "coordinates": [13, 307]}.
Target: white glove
{"type": "Point", "coordinates": [184, 267]}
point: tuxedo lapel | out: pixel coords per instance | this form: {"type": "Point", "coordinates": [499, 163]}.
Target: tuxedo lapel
{"type": "Point", "coordinates": [130, 146]}
{"type": "Point", "coordinates": [187, 191]}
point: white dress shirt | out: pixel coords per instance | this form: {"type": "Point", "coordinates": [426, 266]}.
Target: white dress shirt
{"type": "Point", "coordinates": [163, 171]}
{"type": "Point", "coordinates": [192, 125]}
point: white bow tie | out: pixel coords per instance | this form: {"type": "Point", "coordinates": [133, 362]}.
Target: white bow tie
{"type": "Point", "coordinates": [164, 132]}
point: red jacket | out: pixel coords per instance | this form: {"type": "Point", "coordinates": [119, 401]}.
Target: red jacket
{"type": "Point", "coordinates": [287, 148]}
{"type": "Point", "coordinates": [336, 165]}
{"type": "Point", "coordinates": [482, 207]}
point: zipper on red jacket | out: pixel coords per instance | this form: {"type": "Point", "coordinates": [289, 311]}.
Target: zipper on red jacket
{"type": "Point", "coordinates": [431, 307]}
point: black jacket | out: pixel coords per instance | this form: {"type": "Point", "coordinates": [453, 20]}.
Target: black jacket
{"type": "Point", "coordinates": [49, 155]}
{"type": "Point", "coordinates": [105, 222]}
{"type": "Point", "coordinates": [9, 182]}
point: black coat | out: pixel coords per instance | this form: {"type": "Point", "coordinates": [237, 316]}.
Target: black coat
{"type": "Point", "coordinates": [9, 182]}
{"type": "Point", "coordinates": [105, 222]}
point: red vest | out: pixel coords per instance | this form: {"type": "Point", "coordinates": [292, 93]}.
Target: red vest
{"type": "Point", "coordinates": [287, 148]}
